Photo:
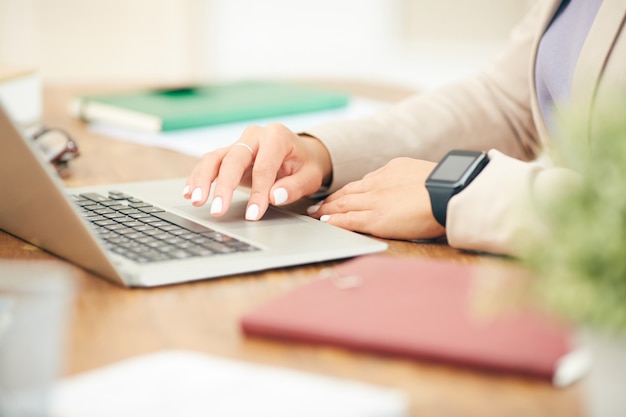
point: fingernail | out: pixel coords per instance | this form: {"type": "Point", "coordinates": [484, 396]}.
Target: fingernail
{"type": "Point", "coordinates": [280, 196]}
{"type": "Point", "coordinates": [252, 213]}
{"type": "Point", "coordinates": [196, 195]}
{"type": "Point", "coordinates": [325, 218]}
{"type": "Point", "coordinates": [186, 190]}
{"type": "Point", "coordinates": [312, 209]}
{"type": "Point", "coordinates": [216, 206]}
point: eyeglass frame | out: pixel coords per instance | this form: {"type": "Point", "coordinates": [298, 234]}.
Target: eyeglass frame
{"type": "Point", "coordinates": [69, 152]}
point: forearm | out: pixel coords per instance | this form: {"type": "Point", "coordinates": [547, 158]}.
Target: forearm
{"type": "Point", "coordinates": [498, 211]}
{"type": "Point", "coordinates": [462, 115]}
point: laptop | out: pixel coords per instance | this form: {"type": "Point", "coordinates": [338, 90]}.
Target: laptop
{"type": "Point", "coordinates": [146, 234]}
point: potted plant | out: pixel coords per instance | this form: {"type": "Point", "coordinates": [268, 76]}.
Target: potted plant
{"type": "Point", "coordinates": [580, 262]}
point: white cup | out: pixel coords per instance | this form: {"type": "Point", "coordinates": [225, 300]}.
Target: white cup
{"type": "Point", "coordinates": [34, 304]}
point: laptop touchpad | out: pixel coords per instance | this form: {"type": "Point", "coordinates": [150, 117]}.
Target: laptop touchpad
{"type": "Point", "coordinates": [235, 217]}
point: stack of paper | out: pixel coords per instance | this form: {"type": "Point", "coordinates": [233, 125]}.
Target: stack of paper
{"type": "Point", "coordinates": [198, 141]}
{"type": "Point", "coordinates": [197, 120]}
{"type": "Point", "coordinates": [182, 383]}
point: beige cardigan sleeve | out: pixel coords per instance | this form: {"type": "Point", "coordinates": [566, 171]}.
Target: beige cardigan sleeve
{"type": "Point", "coordinates": [490, 111]}
{"type": "Point", "coordinates": [497, 212]}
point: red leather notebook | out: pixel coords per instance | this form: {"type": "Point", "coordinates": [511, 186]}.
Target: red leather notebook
{"type": "Point", "coordinates": [421, 309]}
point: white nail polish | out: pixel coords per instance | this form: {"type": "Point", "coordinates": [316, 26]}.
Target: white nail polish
{"type": "Point", "coordinates": [280, 196]}
{"type": "Point", "coordinates": [196, 195]}
{"type": "Point", "coordinates": [325, 218]}
{"type": "Point", "coordinates": [312, 209]}
{"type": "Point", "coordinates": [186, 190]}
{"type": "Point", "coordinates": [216, 206]}
{"type": "Point", "coordinates": [252, 213]}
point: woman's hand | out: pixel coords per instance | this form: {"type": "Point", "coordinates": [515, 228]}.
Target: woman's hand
{"type": "Point", "coordinates": [279, 166]}
{"type": "Point", "coordinates": [391, 202]}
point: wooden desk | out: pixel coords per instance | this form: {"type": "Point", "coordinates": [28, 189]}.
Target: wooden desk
{"type": "Point", "coordinates": [112, 323]}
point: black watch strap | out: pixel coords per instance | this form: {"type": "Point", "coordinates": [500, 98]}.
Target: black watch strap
{"type": "Point", "coordinates": [455, 171]}
{"type": "Point", "coordinates": [439, 198]}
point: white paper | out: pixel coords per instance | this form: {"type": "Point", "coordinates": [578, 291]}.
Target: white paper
{"type": "Point", "coordinates": [198, 141]}
{"type": "Point", "coordinates": [183, 383]}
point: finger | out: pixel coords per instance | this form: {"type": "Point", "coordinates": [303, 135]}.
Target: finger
{"type": "Point", "coordinates": [277, 143]}
{"type": "Point", "coordinates": [355, 187]}
{"type": "Point", "coordinates": [237, 159]}
{"type": "Point", "coordinates": [198, 184]}
{"type": "Point", "coordinates": [345, 204]}
{"type": "Point", "coordinates": [356, 221]}
{"type": "Point", "coordinates": [345, 199]}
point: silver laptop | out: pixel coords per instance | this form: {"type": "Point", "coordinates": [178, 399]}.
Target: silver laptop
{"type": "Point", "coordinates": [146, 234]}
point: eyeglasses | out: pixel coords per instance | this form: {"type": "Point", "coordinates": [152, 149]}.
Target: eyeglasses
{"type": "Point", "coordinates": [57, 146]}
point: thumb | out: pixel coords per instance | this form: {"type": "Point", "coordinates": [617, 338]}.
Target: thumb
{"type": "Point", "coordinates": [293, 187]}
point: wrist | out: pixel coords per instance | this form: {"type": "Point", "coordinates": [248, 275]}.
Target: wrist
{"type": "Point", "coordinates": [455, 172]}
{"type": "Point", "coordinates": [320, 157]}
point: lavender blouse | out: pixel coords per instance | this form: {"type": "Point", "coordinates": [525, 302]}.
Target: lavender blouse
{"type": "Point", "coordinates": [558, 53]}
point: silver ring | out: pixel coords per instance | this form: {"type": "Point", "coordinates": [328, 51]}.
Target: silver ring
{"type": "Point", "coordinates": [245, 146]}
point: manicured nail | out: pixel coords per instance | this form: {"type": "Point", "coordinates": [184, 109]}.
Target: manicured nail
{"type": "Point", "coordinates": [280, 196]}
{"type": "Point", "coordinates": [216, 206]}
{"type": "Point", "coordinates": [196, 195]}
{"type": "Point", "coordinates": [312, 209]}
{"type": "Point", "coordinates": [186, 190]}
{"type": "Point", "coordinates": [325, 218]}
{"type": "Point", "coordinates": [252, 213]}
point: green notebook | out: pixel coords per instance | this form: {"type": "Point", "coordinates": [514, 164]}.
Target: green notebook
{"type": "Point", "coordinates": [167, 110]}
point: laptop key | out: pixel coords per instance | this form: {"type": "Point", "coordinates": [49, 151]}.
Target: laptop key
{"type": "Point", "coordinates": [94, 197]}
{"type": "Point", "coordinates": [182, 222]}
{"type": "Point", "coordinates": [151, 209]}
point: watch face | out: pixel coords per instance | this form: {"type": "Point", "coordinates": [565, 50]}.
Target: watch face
{"type": "Point", "coordinates": [452, 168]}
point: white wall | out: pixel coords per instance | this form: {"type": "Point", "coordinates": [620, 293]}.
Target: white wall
{"type": "Point", "coordinates": [86, 40]}
{"type": "Point", "coordinates": [322, 37]}
{"type": "Point", "coordinates": [415, 42]}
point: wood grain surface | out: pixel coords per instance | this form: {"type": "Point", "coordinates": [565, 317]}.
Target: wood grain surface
{"type": "Point", "coordinates": [110, 323]}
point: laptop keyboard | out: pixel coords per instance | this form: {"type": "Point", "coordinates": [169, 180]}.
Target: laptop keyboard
{"type": "Point", "coordinates": [146, 233]}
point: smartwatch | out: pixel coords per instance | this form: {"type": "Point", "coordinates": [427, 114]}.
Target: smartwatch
{"type": "Point", "coordinates": [455, 171]}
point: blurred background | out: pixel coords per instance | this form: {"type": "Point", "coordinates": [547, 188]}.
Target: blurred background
{"type": "Point", "coordinates": [416, 43]}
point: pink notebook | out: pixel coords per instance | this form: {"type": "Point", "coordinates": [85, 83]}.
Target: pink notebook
{"type": "Point", "coordinates": [421, 309]}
